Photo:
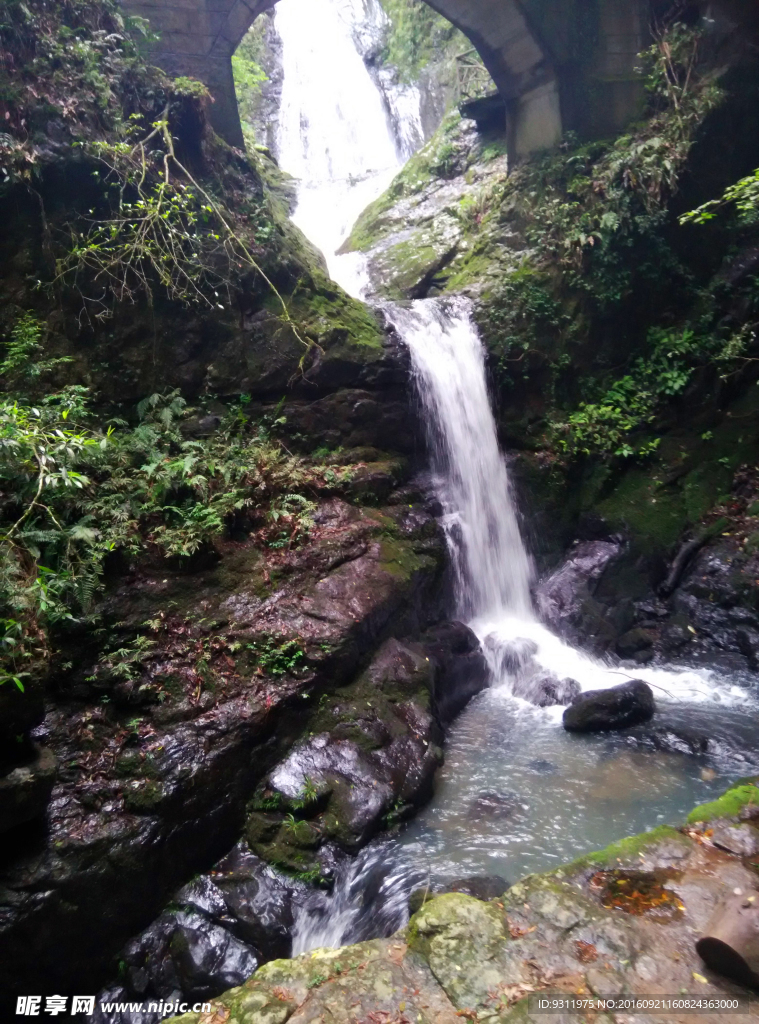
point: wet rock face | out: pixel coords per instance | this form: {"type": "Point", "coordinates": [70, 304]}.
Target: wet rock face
{"type": "Point", "coordinates": [719, 600]}
{"type": "Point", "coordinates": [565, 601]}
{"type": "Point", "coordinates": [153, 783]}
{"type": "Point", "coordinates": [415, 236]}
{"type": "Point", "coordinates": [25, 789]}
{"type": "Point", "coordinates": [461, 670]}
{"type": "Point", "coordinates": [701, 606]}
{"type": "Point", "coordinates": [622, 920]}
{"type": "Point", "coordinates": [375, 757]}
{"type": "Point", "coordinates": [615, 708]}
{"type": "Point", "coordinates": [222, 925]}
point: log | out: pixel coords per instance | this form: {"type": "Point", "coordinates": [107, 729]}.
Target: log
{"type": "Point", "coordinates": [730, 943]}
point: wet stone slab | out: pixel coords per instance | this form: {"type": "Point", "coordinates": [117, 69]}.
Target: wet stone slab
{"type": "Point", "coordinates": [623, 921]}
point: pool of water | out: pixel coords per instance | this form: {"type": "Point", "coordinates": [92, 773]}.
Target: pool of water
{"type": "Point", "coordinates": [519, 794]}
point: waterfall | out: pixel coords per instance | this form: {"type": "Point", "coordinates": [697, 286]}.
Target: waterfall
{"type": "Point", "coordinates": [369, 899]}
{"type": "Point", "coordinates": [493, 570]}
{"type": "Point", "coordinates": [336, 138]}
{"type": "Point", "coordinates": [335, 135]}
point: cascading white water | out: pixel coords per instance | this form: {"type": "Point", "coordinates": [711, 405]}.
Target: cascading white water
{"type": "Point", "coordinates": [493, 570]}
{"type": "Point", "coordinates": [335, 136]}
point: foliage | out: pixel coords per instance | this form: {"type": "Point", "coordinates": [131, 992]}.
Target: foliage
{"type": "Point", "coordinates": [277, 657]}
{"type": "Point", "coordinates": [417, 35]}
{"type": "Point", "coordinates": [164, 227]}
{"type": "Point", "coordinates": [590, 208]}
{"type": "Point", "coordinates": [248, 74]}
{"type": "Point", "coordinates": [743, 197]}
{"type": "Point", "coordinates": [621, 421]}
{"type": "Point", "coordinates": [21, 365]}
{"type": "Point", "coordinates": [524, 316]}
{"type": "Point", "coordinates": [295, 512]}
{"type": "Point", "coordinates": [74, 62]}
{"type": "Point", "coordinates": [72, 495]}
{"type": "Point", "coordinates": [150, 223]}
{"type": "Point", "coordinates": [308, 795]}
{"type": "Point", "coordinates": [596, 221]}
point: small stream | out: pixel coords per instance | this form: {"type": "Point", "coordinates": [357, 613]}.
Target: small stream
{"type": "Point", "coordinates": [517, 793]}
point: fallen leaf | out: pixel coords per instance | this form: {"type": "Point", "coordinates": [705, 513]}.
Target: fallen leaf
{"type": "Point", "coordinates": [701, 978]}
{"type": "Point", "coordinates": [586, 952]}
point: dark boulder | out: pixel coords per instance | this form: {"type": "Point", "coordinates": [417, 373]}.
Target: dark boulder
{"type": "Point", "coordinates": [170, 797]}
{"type": "Point", "coordinates": [186, 952]}
{"type": "Point", "coordinates": [635, 643]}
{"type": "Point", "coordinates": [716, 607]}
{"type": "Point", "coordinates": [615, 708]}
{"type": "Point", "coordinates": [480, 887]}
{"type": "Point", "coordinates": [461, 671]}
{"type": "Point", "coordinates": [220, 927]}
{"type": "Point", "coordinates": [255, 901]}
{"type": "Point", "coordinates": [374, 756]}
{"type": "Point", "coordinates": [565, 600]}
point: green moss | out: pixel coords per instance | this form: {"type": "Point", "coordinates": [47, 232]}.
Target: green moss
{"type": "Point", "coordinates": [654, 513]}
{"type": "Point", "coordinates": [404, 265]}
{"type": "Point", "coordinates": [624, 850]}
{"type": "Point", "coordinates": [440, 158]}
{"type": "Point", "coordinates": [331, 318]}
{"type": "Point", "coordinates": [417, 36]}
{"type": "Point", "coordinates": [400, 559]}
{"type": "Point", "coordinates": [143, 799]}
{"type": "Point", "coordinates": [131, 764]}
{"type": "Point", "coordinates": [726, 806]}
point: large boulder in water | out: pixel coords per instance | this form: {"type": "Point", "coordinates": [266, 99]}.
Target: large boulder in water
{"type": "Point", "coordinates": [616, 708]}
{"type": "Point", "coordinates": [461, 671]}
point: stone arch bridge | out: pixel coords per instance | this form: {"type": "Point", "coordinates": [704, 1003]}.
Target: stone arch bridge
{"type": "Point", "coordinates": [558, 64]}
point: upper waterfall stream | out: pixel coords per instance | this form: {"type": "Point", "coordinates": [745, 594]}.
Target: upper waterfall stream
{"type": "Point", "coordinates": [335, 132]}
{"type": "Point", "coordinates": [517, 793]}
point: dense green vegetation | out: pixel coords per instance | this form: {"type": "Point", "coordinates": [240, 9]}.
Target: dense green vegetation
{"type": "Point", "coordinates": [598, 223]}
{"type": "Point", "coordinates": [167, 219]}
{"type": "Point", "coordinates": [417, 36]}
{"type": "Point", "coordinates": [250, 77]}
{"type": "Point", "coordinates": [743, 196]}
{"type": "Point", "coordinates": [77, 492]}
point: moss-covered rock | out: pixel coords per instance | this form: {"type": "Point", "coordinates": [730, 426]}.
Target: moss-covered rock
{"type": "Point", "coordinates": [428, 232]}
{"type": "Point", "coordinates": [618, 921]}
{"type": "Point", "coordinates": [729, 805]}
